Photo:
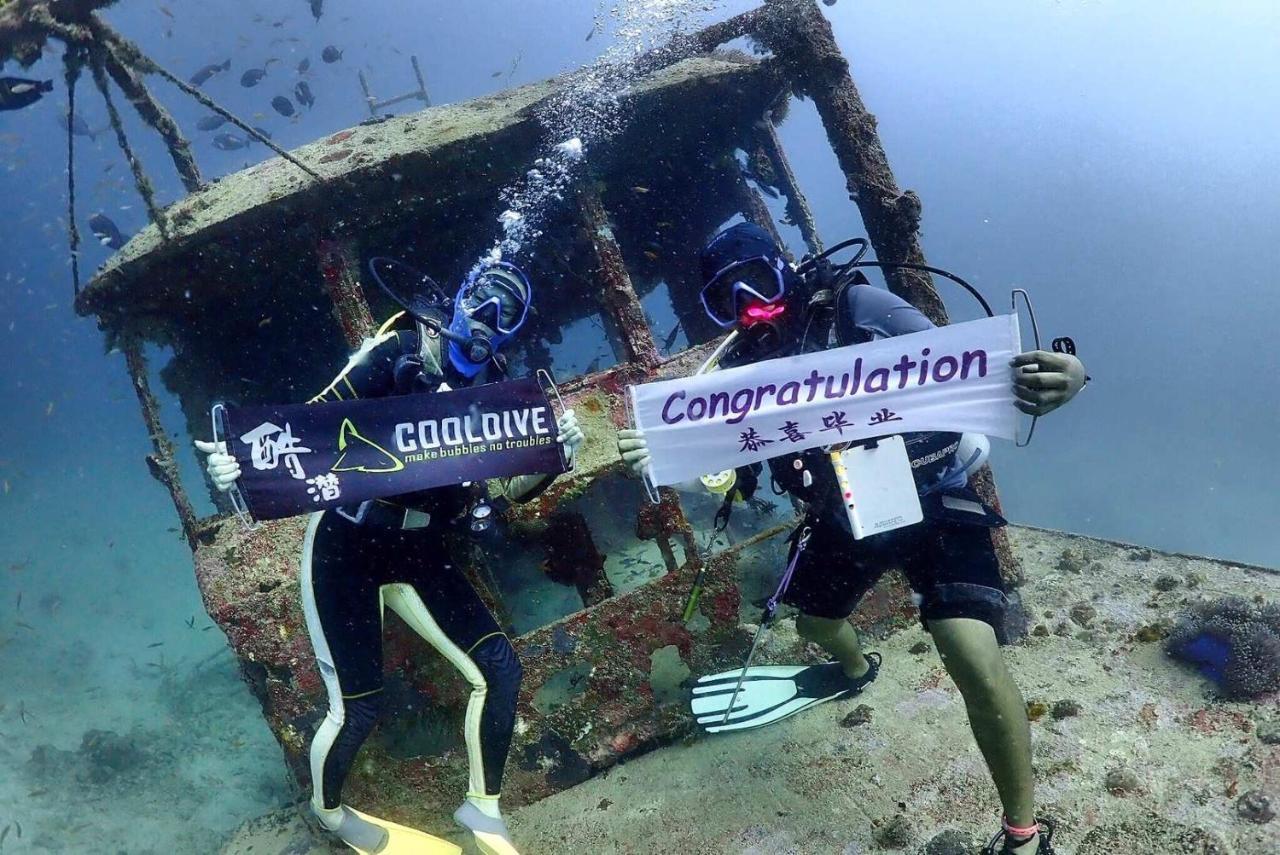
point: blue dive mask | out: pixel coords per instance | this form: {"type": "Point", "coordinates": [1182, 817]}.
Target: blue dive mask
{"type": "Point", "coordinates": [489, 309]}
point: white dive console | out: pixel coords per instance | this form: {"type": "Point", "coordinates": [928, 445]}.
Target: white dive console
{"type": "Point", "coordinates": [877, 489]}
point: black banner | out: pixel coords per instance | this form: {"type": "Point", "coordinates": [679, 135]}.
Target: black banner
{"type": "Point", "coordinates": [298, 458]}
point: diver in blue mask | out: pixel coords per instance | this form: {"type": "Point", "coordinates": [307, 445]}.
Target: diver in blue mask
{"type": "Point", "coordinates": [393, 552]}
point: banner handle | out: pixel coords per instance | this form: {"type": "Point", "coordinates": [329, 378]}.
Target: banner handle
{"type": "Point", "coordinates": [651, 490]}
{"type": "Point", "coordinates": [1035, 332]}
{"type": "Point", "coordinates": [547, 384]}
{"type": "Point", "coordinates": [218, 415]}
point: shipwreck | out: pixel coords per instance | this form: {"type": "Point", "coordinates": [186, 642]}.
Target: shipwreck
{"type": "Point", "coordinates": [283, 245]}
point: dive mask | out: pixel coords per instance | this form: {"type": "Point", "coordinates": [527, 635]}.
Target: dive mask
{"type": "Point", "coordinates": [490, 307]}
{"type": "Point", "coordinates": [752, 283]}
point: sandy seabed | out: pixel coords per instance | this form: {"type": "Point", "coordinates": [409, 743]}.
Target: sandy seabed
{"type": "Point", "coordinates": [1133, 753]}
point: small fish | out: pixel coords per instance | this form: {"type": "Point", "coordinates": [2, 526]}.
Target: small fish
{"type": "Point", "coordinates": [304, 65]}
{"type": "Point", "coordinates": [651, 255]}
{"type": "Point", "coordinates": [282, 105]}
{"type": "Point", "coordinates": [164, 10]}
{"type": "Point", "coordinates": [671, 338]}
{"type": "Point", "coordinates": [497, 74]}
{"type": "Point", "coordinates": [203, 75]}
{"type": "Point", "coordinates": [317, 8]}
{"type": "Point", "coordinates": [18, 826]}
{"type": "Point", "coordinates": [230, 142]}
{"type": "Point", "coordinates": [156, 644]}
{"type": "Point", "coordinates": [264, 322]}
{"type": "Point", "coordinates": [191, 622]}
{"type": "Point", "coordinates": [24, 625]}
{"type": "Point", "coordinates": [79, 126]}
{"type": "Point", "coordinates": [594, 27]}
{"type": "Point", "coordinates": [4, 834]}
{"type": "Point", "coordinates": [48, 411]}
{"type": "Point", "coordinates": [330, 54]}
{"type": "Point", "coordinates": [106, 231]}
{"type": "Point", "coordinates": [23, 715]}
{"type": "Point", "coordinates": [639, 189]}
{"type": "Point", "coordinates": [18, 92]}
{"type": "Point", "coordinates": [252, 77]}
{"type": "Point", "coordinates": [18, 607]}
{"type": "Point", "coordinates": [211, 123]}
{"type": "Point", "coordinates": [303, 93]}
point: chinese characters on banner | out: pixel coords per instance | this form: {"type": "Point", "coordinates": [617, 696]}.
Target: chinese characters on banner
{"type": "Point", "coordinates": [954, 378]}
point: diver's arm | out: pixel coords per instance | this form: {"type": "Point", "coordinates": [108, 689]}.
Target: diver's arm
{"type": "Point", "coordinates": [523, 488]}
{"type": "Point", "coordinates": [369, 373]}
{"type": "Point", "coordinates": [1044, 381]}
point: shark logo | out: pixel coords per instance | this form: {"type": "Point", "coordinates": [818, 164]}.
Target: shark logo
{"type": "Point", "coordinates": [367, 455]}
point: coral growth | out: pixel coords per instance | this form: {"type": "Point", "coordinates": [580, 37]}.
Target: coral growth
{"type": "Point", "coordinates": [1233, 642]}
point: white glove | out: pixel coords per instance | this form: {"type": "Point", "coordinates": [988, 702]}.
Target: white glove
{"type": "Point", "coordinates": [634, 450]}
{"type": "Point", "coordinates": [222, 467]}
{"type": "Point", "coordinates": [570, 435]}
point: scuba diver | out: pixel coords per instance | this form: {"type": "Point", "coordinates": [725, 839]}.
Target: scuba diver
{"type": "Point", "coordinates": [774, 310]}
{"type": "Point", "coordinates": [392, 552]}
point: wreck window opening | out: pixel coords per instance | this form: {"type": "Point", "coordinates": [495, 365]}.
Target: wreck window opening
{"type": "Point", "coordinates": [179, 430]}
{"type": "Point", "coordinates": [582, 553]}
{"type": "Point", "coordinates": [660, 312]}
{"type": "Point", "coordinates": [818, 176]}
{"type": "Point", "coordinates": [610, 507]}
{"type": "Point", "coordinates": [763, 511]}
{"type": "Point", "coordinates": [662, 216]}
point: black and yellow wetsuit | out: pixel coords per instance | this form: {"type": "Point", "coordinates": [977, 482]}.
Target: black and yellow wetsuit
{"type": "Point", "coordinates": [392, 553]}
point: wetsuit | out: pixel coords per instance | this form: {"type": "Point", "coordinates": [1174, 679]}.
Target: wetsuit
{"type": "Point", "coordinates": [391, 553]}
{"type": "Point", "coordinates": [948, 558]}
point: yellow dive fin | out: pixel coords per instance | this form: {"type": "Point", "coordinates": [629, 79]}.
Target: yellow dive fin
{"type": "Point", "coordinates": [493, 844]}
{"type": "Point", "coordinates": [402, 840]}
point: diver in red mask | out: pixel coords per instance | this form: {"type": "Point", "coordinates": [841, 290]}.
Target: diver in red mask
{"type": "Point", "coordinates": [774, 310]}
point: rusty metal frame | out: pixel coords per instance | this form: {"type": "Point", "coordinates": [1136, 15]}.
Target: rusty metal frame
{"type": "Point", "coordinates": [162, 464]}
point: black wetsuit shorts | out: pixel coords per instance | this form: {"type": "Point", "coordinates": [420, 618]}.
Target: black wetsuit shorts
{"type": "Point", "coordinates": [951, 566]}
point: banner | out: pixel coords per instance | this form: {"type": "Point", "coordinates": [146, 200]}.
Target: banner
{"type": "Point", "coordinates": [953, 378]}
{"type": "Point", "coordinates": [298, 458]}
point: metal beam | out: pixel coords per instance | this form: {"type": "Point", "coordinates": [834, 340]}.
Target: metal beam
{"type": "Point", "coordinates": [339, 269]}
{"type": "Point", "coordinates": [807, 47]}
{"type": "Point", "coordinates": [163, 465]}
{"type": "Point", "coordinates": [618, 295]}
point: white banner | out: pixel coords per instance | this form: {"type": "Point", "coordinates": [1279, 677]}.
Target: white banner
{"type": "Point", "coordinates": [953, 378]}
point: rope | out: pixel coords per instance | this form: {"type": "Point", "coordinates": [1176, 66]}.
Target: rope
{"type": "Point", "coordinates": [72, 62]}
{"type": "Point", "coordinates": [139, 177]}
{"type": "Point", "coordinates": [148, 65]}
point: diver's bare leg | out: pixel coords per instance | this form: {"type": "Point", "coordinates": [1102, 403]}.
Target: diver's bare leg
{"type": "Point", "coordinates": [997, 712]}
{"type": "Point", "coordinates": [838, 638]}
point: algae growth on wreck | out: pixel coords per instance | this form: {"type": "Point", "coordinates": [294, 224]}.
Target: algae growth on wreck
{"type": "Point", "coordinates": [159, 676]}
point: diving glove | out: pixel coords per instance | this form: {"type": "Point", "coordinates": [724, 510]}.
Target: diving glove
{"type": "Point", "coordinates": [569, 434]}
{"type": "Point", "coordinates": [634, 450]}
{"type": "Point", "coordinates": [223, 469]}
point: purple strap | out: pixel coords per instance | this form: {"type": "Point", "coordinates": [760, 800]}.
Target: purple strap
{"type": "Point", "coordinates": [772, 605]}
